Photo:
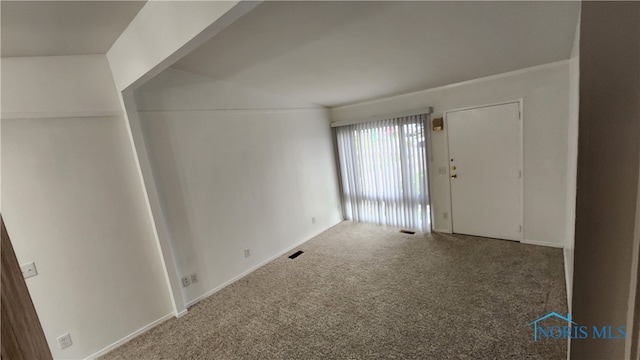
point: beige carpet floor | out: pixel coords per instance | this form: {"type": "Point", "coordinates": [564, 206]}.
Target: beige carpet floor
{"type": "Point", "coordinates": [363, 291]}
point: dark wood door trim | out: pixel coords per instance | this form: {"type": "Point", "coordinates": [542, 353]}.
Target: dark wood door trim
{"type": "Point", "coordinates": [22, 335]}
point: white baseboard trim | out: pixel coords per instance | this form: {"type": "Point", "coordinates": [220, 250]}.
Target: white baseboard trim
{"type": "Point", "coordinates": [444, 231]}
{"type": "Point", "coordinates": [199, 298]}
{"type": "Point", "coordinates": [542, 243]}
{"type": "Point", "coordinates": [252, 269]}
{"type": "Point", "coordinates": [131, 336]}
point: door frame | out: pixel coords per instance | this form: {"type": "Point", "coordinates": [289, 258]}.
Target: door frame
{"type": "Point", "coordinates": [22, 334]}
{"type": "Point", "coordinates": [520, 103]}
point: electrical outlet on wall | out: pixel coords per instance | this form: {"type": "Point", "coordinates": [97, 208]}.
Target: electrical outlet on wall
{"type": "Point", "coordinates": [64, 341]}
{"type": "Point", "coordinates": [313, 220]}
{"type": "Point", "coordinates": [194, 277]}
{"type": "Point", "coordinates": [445, 215]}
{"type": "Point", "coordinates": [185, 281]}
{"type": "Point", "coordinates": [247, 253]}
{"type": "Point", "coordinates": [29, 270]}
{"type": "Point", "coordinates": [442, 170]}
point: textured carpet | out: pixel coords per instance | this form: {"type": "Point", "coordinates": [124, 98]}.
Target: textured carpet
{"type": "Point", "coordinates": [363, 291]}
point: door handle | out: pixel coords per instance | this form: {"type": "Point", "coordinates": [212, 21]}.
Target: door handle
{"type": "Point", "coordinates": [454, 176]}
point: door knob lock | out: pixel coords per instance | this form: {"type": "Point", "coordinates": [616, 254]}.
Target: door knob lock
{"type": "Point", "coordinates": [454, 176]}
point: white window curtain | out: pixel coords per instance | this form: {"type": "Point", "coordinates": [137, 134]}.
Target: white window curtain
{"type": "Point", "coordinates": [384, 172]}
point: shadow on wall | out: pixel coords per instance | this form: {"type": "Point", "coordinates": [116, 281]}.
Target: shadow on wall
{"type": "Point", "coordinates": [174, 206]}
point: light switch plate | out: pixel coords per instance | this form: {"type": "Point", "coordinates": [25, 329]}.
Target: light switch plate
{"type": "Point", "coordinates": [29, 270]}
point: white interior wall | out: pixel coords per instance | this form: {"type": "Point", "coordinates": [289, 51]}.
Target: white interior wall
{"type": "Point", "coordinates": [572, 160]}
{"type": "Point", "coordinates": [73, 204]}
{"type": "Point", "coordinates": [57, 86]}
{"type": "Point", "coordinates": [176, 90]}
{"type": "Point", "coordinates": [164, 31]}
{"type": "Point", "coordinates": [545, 90]}
{"type": "Point", "coordinates": [160, 34]}
{"type": "Point", "coordinates": [248, 178]}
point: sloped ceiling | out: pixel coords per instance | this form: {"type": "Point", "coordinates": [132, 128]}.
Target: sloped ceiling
{"type": "Point", "coordinates": [334, 53]}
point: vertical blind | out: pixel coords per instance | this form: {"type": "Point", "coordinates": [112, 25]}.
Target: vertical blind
{"type": "Point", "coordinates": [384, 174]}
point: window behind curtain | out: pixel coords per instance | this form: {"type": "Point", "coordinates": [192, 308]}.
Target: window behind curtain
{"type": "Point", "coordinates": [384, 173]}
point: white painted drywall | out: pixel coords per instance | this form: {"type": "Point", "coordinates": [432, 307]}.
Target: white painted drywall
{"type": "Point", "coordinates": [160, 34]}
{"type": "Point", "coordinates": [164, 31]}
{"type": "Point", "coordinates": [545, 91]}
{"type": "Point", "coordinates": [180, 90]}
{"type": "Point", "coordinates": [572, 160]}
{"type": "Point", "coordinates": [57, 85]}
{"type": "Point", "coordinates": [147, 181]}
{"type": "Point", "coordinates": [72, 202]}
{"type": "Point", "coordinates": [231, 180]}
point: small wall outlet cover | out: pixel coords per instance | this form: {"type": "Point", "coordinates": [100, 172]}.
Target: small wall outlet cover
{"type": "Point", "coordinates": [445, 215]}
{"type": "Point", "coordinates": [247, 253]}
{"type": "Point", "coordinates": [64, 341]}
{"type": "Point", "coordinates": [194, 277]}
{"type": "Point", "coordinates": [442, 170]}
{"type": "Point", "coordinates": [313, 220]}
{"type": "Point", "coordinates": [29, 270]}
{"type": "Point", "coordinates": [185, 281]}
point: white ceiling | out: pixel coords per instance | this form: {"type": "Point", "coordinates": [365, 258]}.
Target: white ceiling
{"type": "Point", "coordinates": [47, 28]}
{"type": "Point", "coordinates": [334, 53]}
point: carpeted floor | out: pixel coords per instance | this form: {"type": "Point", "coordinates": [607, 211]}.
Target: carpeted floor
{"type": "Point", "coordinates": [363, 291]}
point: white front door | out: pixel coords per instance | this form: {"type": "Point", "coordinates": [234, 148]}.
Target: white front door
{"type": "Point", "coordinates": [485, 159]}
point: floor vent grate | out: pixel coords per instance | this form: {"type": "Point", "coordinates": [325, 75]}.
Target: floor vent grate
{"type": "Point", "coordinates": [407, 232]}
{"type": "Point", "coordinates": [296, 254]}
